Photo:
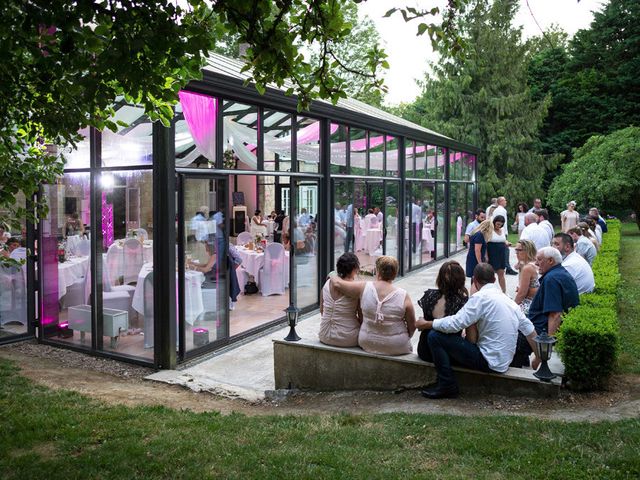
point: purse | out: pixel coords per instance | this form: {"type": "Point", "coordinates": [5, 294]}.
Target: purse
{"type": "Point", "coordinates": [250, 288]}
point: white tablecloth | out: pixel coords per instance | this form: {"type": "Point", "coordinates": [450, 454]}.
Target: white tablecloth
{"type": "Point", "coordinates": [72, 243]}
{"type": "Point", "coordinates": [372, 240]}
{"type": "Point", "coordinates": [70, 272]}
{"type": "Point", "coordinates": [192, 295]}
{"type": "Point", "coordinates": [253, 261]}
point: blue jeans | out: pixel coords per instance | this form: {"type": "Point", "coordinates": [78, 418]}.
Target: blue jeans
{"type": "Point", "coordinates": [448, 350]}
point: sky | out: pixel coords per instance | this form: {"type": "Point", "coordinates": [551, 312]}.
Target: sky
{"type": "Point", "coordinates": [409, 54]}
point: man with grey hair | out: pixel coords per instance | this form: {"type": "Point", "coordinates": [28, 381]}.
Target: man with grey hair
{"type": "Point", "coordinates": [534, 232]}
{"type": "Point", "coordinates": [557, 294]}
{"type": "Point", "coordinates": [537, 205]}
{"type": "Point", "coordinates": [577, 266]}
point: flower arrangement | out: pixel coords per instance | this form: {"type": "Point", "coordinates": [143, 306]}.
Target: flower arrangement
{"type": "Point", "coordinates": [229, 159]}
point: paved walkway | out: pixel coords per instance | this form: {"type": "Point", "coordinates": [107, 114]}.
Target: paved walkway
{"type": "Point", "coordinates": [247, 370]}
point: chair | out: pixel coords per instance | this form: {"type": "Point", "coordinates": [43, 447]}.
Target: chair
{"type": "Point", "coordinates": [271, 275]}
{"type": "Point", "coordinates": [243, 238]}
{"type": "Point", "coordinates": [114, 260]}
{"type": "Point", "coordinates": [133, 260]}
{"type": "Point", "coordinates": [113, 293]}
{"type": "Point", "coordinates": [13, 295]}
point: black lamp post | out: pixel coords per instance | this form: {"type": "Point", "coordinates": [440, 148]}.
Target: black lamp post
{"type": "Point", "coordinates": [292, 316]}
{"type": "Point", "coordinates": [544, 345]}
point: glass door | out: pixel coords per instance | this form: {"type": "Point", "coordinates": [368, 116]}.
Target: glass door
{"type": "Point", "coordinates": [203, 268]}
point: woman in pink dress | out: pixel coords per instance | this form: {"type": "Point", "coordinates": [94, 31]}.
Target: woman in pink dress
{"type": "Point", "coordinates": [341, 315]}
{"type": "Point", "coordinates": [388, 314]}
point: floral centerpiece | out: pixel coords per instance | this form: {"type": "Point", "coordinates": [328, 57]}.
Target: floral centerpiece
{"type": "Point", "coordinates": [229, 159]}
{"type": "Point", "coordinates": [260, 241]}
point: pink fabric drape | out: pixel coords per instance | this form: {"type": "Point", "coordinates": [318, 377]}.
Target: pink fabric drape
{"type": "Point", "coordinates": [200, 115]}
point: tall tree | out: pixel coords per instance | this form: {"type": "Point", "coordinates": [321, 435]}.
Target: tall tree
{"type": "Point", "coordinates": [593, 82]}
{"type": "Point", "coordinates": [483, 99]}
{"type": "Point", "coordinates": [605, 171]}
{"type": "Point", "coordinates": [349, 57]}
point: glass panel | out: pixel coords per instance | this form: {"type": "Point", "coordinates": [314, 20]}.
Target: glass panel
{"type": "Point", "coordinates": [126, 228]}
{"type": "Point", "coordinates": [277, 141]}
{"type": "Point", "coordinates": [240, 135]}
{"type": "Point", "coordinates": [65, 252]}
{"type": "Point", "coordinates": [421, 160]}
{"type": "Point", "coordinates": [470, 209]}
{"type": "Point", "coordinates": [259, 247]}
{"type": "Point", "coordinates": [305, 242]}
{"type": "Point", "coordinates": [392, 201]}
{"type": "Point", "coordinates": [196, 116]}
{"type": "Point", "coordinates": [376, 154]}
{"type": "Point", "coordinates": [338, 148]}
{"type": "Point", "coordinates": [358, 151]}
{"type": "Point", "coordinates": [392, 157]}
{"type": "Point", "coordinates": [343, 222]}
{"type": "Point", "coordinates": [308, 144]}
{"type": "Point", "coordinates": [130, 145]}
{"type": "Point", "coordinates": [440, 159]}
{"type": "Point", "coordinates": [206, 267]}
{"type": "Point", "coordinates": [13, 279]}
{"type": "Point", "coordinates": [441, 236]}
{"type": "Point", "coordinates": [457, 223]}
{"type": "Point", "coordinates": [432, 167]}
{"type": "Point", "coordinates": [410, 159]}
{"type": "Point", "coordinates": [428, 223]}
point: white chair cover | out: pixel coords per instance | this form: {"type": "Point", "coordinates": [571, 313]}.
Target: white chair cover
{"type": "Point", "coordinates": [243, 238]}
{"type": "Point", "coordinates": [142, 234]}
{"type": "Point", "coordinates": [285, 224]}
{"type": "Point", "coordinates": [115, 263]}
{"type": "Point", "coordinates": [133, 259]}
{"type": "Point", "coordinates": [13, 295]}
{"type": "Point", "coordinates": [271, 276]}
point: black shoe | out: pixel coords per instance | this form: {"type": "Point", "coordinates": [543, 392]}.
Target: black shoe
{"type": "Point", "coordinates": [511, 272]}
{"type": "Point", "coordinates": [430, 386]}
{"type": "Point", "coordinates": [438, 392]}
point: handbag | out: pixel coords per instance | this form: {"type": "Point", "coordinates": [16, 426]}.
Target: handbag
{"type": "Point", "coordinates": [250, 288]}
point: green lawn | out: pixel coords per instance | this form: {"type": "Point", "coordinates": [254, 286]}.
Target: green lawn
{"type": "Point", "coordinates": [52, 435]}
{"type": "Point", "coordinates": [629, 299]}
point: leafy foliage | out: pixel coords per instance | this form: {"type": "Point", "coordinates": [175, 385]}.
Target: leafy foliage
{"type": "Point", "coordinates": [484, 99]}
{"type": "Point", "coordinates": [605, 171]}
{"type": "Point", "coordinates": [589, 337]}
{"type": "Point", "coordinates": [593, 80]}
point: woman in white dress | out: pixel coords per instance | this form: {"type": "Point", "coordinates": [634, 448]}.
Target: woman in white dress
{"type": "Point", "coordinates": [389, 319]}
{"type": "Point", "coordinates": [569, 217]}
{"type": "Point", "coordinates": [257, 225]}
{"type": "Point", "coordinates": [518, 223]}
{"type": "Point", "coordinates": [341, 315]}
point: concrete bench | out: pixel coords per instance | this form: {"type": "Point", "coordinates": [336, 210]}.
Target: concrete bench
{"type": "Point", "coordinates": [311, 365]}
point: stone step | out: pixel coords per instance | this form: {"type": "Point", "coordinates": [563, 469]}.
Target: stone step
{"type": "Point", "coordinates": [311, 365]}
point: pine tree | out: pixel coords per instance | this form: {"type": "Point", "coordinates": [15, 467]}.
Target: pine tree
{"type": "Point", "coordinates": [483, 99]}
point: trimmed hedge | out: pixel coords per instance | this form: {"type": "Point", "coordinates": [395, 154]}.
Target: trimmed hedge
{"type": "Point", "coordinates": [588, 340]}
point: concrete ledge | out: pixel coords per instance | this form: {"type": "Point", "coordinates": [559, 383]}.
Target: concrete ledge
{"type": "Point", "coordinates": [311, 365]}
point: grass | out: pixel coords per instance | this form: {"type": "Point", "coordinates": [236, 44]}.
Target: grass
{"type": "Point", "coordinates": [629, 300]}
{"type": "Point", "coordinates": [53, 435]}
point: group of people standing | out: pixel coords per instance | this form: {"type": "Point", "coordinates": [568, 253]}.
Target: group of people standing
{"type": "Point", "coordinates": [481, 328]}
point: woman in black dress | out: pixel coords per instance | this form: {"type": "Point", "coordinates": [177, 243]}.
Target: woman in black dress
{"type": "Point", "coordinates": [447, 299]}
{"type": "Point", "coordinates": [496, 247]}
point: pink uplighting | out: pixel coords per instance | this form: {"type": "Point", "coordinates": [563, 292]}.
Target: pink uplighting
{"type": "Point", "coordinates": [107, 221]}
{"type": "Point", "coordinates": [200, 330]}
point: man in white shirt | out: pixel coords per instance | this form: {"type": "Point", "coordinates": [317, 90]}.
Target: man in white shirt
{"type": "Point", "coordinates": [534, 232]}
{"type": "Point", "coordinates": [492, 207]}
{"type": "Point", "coordinates": [379, 216]}
{"type": "Point", "coordinates": [577, 266]}
{"type": "Point", "coordinates": [543, 221]}
{"type": "Point", "coordinates": [492, 321]}
{"type": "Point", "coordinates": [480, 217]}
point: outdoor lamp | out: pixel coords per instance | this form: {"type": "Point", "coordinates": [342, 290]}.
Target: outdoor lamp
{"type": "Point", "coordinates": [292, 316]}
{"type": "Point", "coordinates": [544, 345]}
{"type": "Point", "coordinates": [64, 331]}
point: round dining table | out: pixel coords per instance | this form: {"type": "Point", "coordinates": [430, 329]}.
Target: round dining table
{"type": "Point", "coordinates": [70, 271]}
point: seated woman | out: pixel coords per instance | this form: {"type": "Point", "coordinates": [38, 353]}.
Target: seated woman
{"type": "Point", "coordinates": [388, 315]}
{"type": "Point", "coordinates": [528, 283]}
{"type": "Point", "coordinates": [341, 315]}
{"type": "Point", "coordinates": [447, 299]}
{"type": "Point", "coordinates": [257, 225]}
{"type": "Point", "coordinates": [73, 226]}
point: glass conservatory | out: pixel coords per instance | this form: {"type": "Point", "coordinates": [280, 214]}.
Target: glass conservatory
{"type": "Point", "coordinates": [165, 243]}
